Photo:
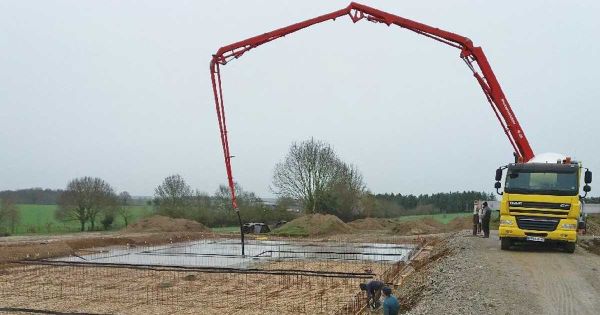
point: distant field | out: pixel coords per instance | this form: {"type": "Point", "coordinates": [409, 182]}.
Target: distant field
{"type": "Point", "coordinates": [443, 218]}
{"type": "Point", "coordinates": [40, 219]}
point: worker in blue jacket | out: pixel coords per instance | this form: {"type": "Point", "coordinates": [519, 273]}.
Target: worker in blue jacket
{"type": "Point", "coordinates": [373, 289]}
{"type": "Point", "coordinates": [390, 302]}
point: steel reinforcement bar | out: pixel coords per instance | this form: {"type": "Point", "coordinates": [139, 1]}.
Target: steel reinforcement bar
{"type": "Point", "coordinates": [293, 272]}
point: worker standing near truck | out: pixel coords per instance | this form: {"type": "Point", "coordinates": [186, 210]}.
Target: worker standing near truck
{"type": "Point", "coordinates": [485, 220]}
{"type": "Point", "coordinates": [475, 219]}
{"type": "Point", "coordinates": [480, 213]}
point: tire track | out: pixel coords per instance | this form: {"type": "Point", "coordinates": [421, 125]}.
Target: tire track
{"type": "Point", "coordinates": [558, 280]}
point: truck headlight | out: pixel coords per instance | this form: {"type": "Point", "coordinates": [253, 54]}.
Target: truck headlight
{"type": "Point", "coordinates": [506, 222]}
{"type": "Point", "coordinates": [569, 226]}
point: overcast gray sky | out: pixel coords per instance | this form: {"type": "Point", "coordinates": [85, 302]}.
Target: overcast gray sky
{"type": "Point", "coordinates": [121, 90]}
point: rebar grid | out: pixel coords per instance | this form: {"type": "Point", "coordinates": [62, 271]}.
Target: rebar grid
{"type": "Point", "coordinates": [121, 290]}
{"type": "Point", "coordinates": [310, 278]}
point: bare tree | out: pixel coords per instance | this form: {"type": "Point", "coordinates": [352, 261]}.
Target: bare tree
{"type": "Point", "coordinates": [202, 205]}
{"type": "Point", "coordinates": [308, 170]}
{"type": "Point", "coordinates": [123, 208]}
{"type": "Point", "coordinates": [84, 199]}
{"type": "Point", "coordinates": [245, 199]}
{"type": "Point", "coordinates": [173, 197]}
{"type": "Point", "coordinates": [343, 197]}
{"type": "Point", "coordinates": [9, 214]}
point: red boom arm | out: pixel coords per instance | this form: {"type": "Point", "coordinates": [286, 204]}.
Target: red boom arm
{"type": "Point", "coordinates": [470, 54]}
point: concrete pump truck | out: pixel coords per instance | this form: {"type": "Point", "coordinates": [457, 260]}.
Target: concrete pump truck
{"type": "Point", "coordinates": [541, 201]}
{"type": "Point", "coordinates": [541, 197]}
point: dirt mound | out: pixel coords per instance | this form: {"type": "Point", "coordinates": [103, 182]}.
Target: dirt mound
{"type": "Point", "coordinates": [415, 227]}
{"type": "Point", "coordinates": [434, 223]}
{"type": "Point", "coordinates": [593, 224]}
{"type": "Point", "coordinates": [17, 252]}
{"type": "Point", "coordinates": [460, 223]}
{"type": "Point", "coordinates": [592, 245]}
{"type": "Point", "coordinates": [159, 223]}
{"type": "Point", "coordinates": [425, 225]}
{"type": "Point", "coordinates": [373, 224]}
{"type": "Point", "coordinates": [314, 224]}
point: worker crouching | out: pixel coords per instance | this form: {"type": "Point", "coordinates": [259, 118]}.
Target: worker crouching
{"type": "Point", "coordinates": [373, 289]}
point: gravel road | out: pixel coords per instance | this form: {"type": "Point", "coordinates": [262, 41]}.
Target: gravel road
{"type": "Point", "coordinates": [479, 278]}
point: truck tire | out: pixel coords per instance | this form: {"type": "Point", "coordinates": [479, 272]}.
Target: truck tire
{"type": "Point", "coordinates": [569, 247]}
{"type": "Point", "coordinates": [505, 243]}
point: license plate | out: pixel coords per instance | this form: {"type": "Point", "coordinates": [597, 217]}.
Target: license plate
{"type": "Point", "coordinates": [535, 238]}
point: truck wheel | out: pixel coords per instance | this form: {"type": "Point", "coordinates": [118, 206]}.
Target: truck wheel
{"type": "Point", "coordinates": [569, 247]}
{"type": "Point", "coordinates": [505, 243]}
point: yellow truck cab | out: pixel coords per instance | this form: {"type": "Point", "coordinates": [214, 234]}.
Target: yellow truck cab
{"type": "Point", "coordinates": [541, 202]}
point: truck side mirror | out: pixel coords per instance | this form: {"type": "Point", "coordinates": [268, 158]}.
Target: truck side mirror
{"type": "Point", "coordinates": [588, 177]}
{"type": "Point", "coordinates": [497, 185]}
{"type": "Point", "coordinates": [499, 175]}
{"type": "Point", "coordinates": [587, 188]}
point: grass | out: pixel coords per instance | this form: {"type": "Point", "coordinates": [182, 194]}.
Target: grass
{"type": "Point", "coordinates": [40, 219]}
{"type": "Point", "coordinates": [227, 229]}
{"type": "Point", "coordinates": [440, 217]}
{"type": "Point", "coordinates": [291, 230]}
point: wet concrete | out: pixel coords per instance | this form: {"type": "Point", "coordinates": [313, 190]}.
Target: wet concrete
{"type": "Point", "coordinates": [227, 253]}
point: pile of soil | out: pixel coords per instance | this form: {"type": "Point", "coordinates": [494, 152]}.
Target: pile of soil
{"type": "Point", "coordinates": [415, 227]}
{"type": "Point", "coordinates": [460, 223]}
{"type": "Point", "coordinates": [425, 225]}
{"type": "Point", "coordinates": [593, 224]}
{"type": "Point", "coordinates": [434, 223]}
{"type": "Point", "coordinates": [159, 223]}
{"type": "Point", "coordinates": [16, 252]}
{"type": "Point", "coordinates": [313, 225]}
{"type": "Point", "coordinates": [373, 224]}
{"type": "Point", "coordinates": [591, 244]}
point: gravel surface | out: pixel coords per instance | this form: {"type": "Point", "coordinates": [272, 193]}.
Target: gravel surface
{"type": "Point", "coordinates": [476, 277]}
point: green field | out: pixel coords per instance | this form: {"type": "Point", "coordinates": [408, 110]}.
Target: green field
{"type": "Point", "coordinates": [227, 229]}
{"type": "Point", "coordinates": [40, 219]}
{"type": "Point", "coordinates": [440, 217]}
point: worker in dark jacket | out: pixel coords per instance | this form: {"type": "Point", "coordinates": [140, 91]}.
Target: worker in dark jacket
{"type": "Point", "coordinates": [373, 289]}
{"type": "Point", "coordinates": [390, 302]}
{"type": "Point", "coordinates": [485, 221]}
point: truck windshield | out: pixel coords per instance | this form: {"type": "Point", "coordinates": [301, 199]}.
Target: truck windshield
{"type": "Point", "coordinates": [523, 180]}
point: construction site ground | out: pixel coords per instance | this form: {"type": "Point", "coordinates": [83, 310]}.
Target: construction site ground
{"type": "Point", "coordinates": [460, 274]}
{"type": "Point", "coordinates": [99, 290]}
{"type": "Point", "coordinates": [475, 277]}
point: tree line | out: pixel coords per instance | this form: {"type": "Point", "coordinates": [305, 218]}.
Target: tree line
{"type": "Point", "coordinates": [175, 198]}
{"type": "Point", "coordinates": [37, 196]}
{"type": "Point", "coordinates": [592, 200]}
{"type": "Point", "coordinates": [448, 202]}
{"type": "Point", "coordinates": [90, 200]}
{"type": "Point", "coordinates": [47, 196]}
